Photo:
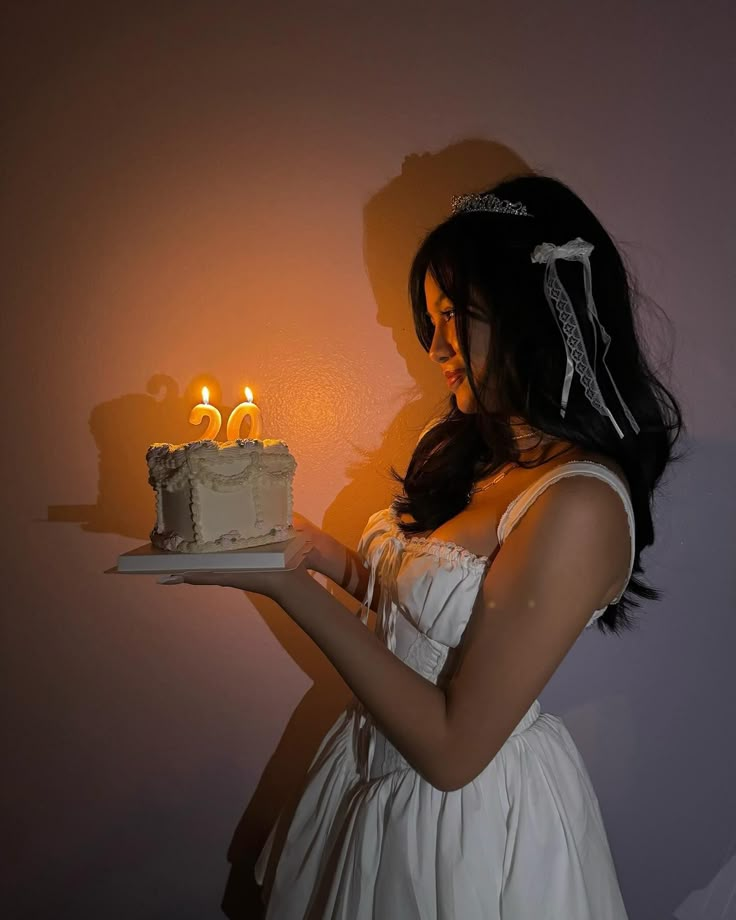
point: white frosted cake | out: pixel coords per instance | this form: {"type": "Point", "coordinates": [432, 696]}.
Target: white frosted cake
{"type": "Point", "coordinates": [212, 496]}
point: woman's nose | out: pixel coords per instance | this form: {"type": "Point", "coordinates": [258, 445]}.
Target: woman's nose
{"type": "Point", "coordinates": [440, 349]}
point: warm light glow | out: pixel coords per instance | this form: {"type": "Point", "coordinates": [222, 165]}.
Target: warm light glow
{"type": "Point", "coordinates": [249, 394]}
{"type": "Point", "coordinates": [205, 395]}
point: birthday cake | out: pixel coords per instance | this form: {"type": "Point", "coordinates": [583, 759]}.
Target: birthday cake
{"type": "Point", "coordinates": [213, 496]}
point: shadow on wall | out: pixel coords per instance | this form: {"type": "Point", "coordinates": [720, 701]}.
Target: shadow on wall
{"type": "Point", "coordinates": [626, 709]}
{"type": "Point", "coordinates": [396, 219]}
{"type": "Point", "coordinates": [123, 430]}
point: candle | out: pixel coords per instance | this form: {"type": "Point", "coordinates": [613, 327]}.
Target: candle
{"type": "Point", "coordinates": [239, 413]}
{"type": "Point", "coordinates": [205, 410]}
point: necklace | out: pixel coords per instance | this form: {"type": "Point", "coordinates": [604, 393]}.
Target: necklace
{"type": "Point", "coordinates": [488, 485]}
{"type": "Point", "coordinates": [474, 491]}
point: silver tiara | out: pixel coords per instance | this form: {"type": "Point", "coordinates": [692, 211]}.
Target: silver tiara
{"type": "Point", "coordinates": [487, 201]}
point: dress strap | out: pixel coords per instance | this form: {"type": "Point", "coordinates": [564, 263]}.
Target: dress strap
{"type": "Point", "coordinates": [525, 499]}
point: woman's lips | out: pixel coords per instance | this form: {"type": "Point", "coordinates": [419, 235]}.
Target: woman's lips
{"type": "Point", "coordinates": [454, 379]}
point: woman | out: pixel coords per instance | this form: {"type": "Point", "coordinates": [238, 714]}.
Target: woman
{"type": "Point", "coordinates": [443, 791]}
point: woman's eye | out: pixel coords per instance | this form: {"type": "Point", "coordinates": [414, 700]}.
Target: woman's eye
{"type": "Point", "coordinates": [446, 315]}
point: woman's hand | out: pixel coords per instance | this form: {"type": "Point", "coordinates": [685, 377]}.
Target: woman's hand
{"type": "Point", "coordinates": [325, 555]}
{"type": "Point", "coordinates": [322, 544]}
{"type": "Point", "coordinates": [279, 585]}
{"type": "Point", "coordinates": [330, 558]}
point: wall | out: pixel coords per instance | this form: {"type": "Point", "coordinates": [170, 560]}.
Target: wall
{"type": "Point", "coordinates": [232, 193]}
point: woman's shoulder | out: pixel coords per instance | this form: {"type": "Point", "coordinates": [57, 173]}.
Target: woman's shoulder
{"type": "Point", "coordinates": [592, 493]}
{"type": "Point", "coordinates": [561, 463]}
{"type": "Point", "coordinates": [566, 464]}
{"type": "Point", "coordinates": [600, 460]}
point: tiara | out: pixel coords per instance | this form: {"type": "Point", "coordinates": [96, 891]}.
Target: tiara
{"type": "Point", "coordinates": [487, 201]}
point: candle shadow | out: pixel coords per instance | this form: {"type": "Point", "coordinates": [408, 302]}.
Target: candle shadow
{"type": "Point", "coordinates": [395, 220]}
{"type": "Point", "coordinates": [123, 429]}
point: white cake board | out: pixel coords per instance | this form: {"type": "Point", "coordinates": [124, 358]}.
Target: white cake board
{"type": "Point", "coordinates": [272, 557]}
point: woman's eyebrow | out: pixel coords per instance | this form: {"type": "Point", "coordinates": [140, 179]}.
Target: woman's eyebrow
{"type": "Point", "coordinates": [438, 302]}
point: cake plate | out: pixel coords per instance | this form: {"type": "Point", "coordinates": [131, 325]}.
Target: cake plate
{"type": "Point", "coordinates": [271, 557]}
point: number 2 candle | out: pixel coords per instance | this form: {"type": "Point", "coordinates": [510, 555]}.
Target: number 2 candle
{"type": "Point", "coordinates": [205, 410]}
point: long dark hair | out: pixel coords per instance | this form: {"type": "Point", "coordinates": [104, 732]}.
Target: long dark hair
{"type": "Point", "coordinates": [482, 263]}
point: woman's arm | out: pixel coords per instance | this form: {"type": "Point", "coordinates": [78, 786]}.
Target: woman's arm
{"type": "Point", "coordinates": [408, 708]}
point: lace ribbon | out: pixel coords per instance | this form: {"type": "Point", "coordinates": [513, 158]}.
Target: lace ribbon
{"type": "Point", "coordinates": [383, 566]}
{"type": "Point", "coordinates": [562, 309]}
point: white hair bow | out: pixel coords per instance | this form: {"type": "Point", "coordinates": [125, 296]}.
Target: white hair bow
{"type": "Point", "coordinates": [578, 250]}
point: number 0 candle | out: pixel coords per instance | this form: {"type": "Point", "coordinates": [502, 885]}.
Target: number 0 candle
{"type": "Point", "coordinates": [205, 410]}
{"type": "Point", "coordinates": [235, 421]}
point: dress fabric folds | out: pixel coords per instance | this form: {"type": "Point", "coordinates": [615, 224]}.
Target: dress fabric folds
{"type": "Point", "coordinates": [371, 839]}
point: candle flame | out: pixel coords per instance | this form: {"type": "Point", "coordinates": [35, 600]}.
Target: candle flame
{"type": "Point", "coordinates": [205, 396]}
{"type": "Point", "coordinates": [249, 394]}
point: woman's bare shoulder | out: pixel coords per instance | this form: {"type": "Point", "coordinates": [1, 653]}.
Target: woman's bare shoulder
{"type": "Point", "coordinates": [602, 459]}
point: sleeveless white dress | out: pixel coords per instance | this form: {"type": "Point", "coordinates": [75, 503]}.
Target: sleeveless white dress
{"type": "Point", "coordinates": [371, 839]}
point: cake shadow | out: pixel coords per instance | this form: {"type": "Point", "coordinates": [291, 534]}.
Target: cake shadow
{"type": "Point", "coordinates": [123, 429]}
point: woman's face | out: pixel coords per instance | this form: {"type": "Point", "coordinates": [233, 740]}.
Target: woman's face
{"type": "Point", "coordinates": [446, 350]}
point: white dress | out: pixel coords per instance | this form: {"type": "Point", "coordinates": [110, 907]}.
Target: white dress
{"type": "Point", "coordinates": [371, 838]}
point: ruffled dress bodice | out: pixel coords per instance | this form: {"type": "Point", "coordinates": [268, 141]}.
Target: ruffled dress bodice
{"type": "Point", "coordinates": [428, 590]}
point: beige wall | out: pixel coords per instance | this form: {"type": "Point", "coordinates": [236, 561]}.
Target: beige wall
{"type": "Point", "coordinates": [227, 193]}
